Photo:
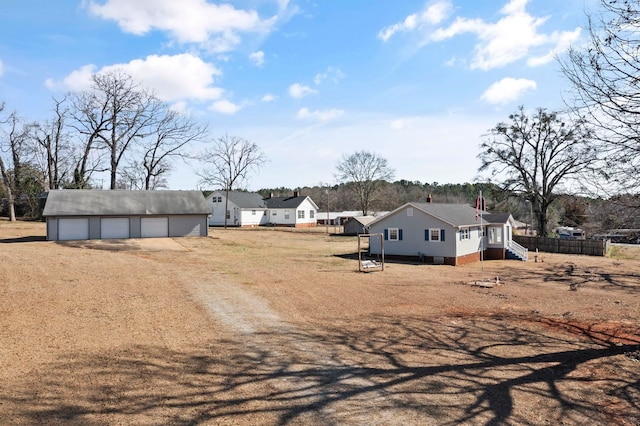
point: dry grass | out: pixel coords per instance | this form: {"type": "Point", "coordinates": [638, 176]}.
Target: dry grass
{"type": "Point", "coordinates": [273, 327]}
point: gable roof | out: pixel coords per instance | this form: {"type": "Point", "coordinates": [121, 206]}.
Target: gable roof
{"type": "Point", "coordinates": [97, 202]}
{"type": "Point", "coordinates": [286, 202]}
{"type": "Point", "coordinates": [456, 215]}
{"type": "Point", "coordinates": [244, 200]}
{"type": "Point", "coordinates": [362, 220]}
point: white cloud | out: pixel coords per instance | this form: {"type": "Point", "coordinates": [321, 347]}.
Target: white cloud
{"type": "Point", "coordinates": [269, 97]}
{"type": "Point", "coordinates": [80, 79]}
{"type": "Point", "coordinates": [257, 58]}
{"type": "Point", "coordinates": [516, 35]}
{"type": "Point", "coordinates": [225, 106]}
{"type": "Point", "coordinates": [172, 78]}
{"type": "Point", "coordinates": [564, 40]}
{"type": "Point", "coordinates": [297, 90]}
{"type": "Point", "coordinates": [332, 74]}
{"type": "Point", "coordinates": [507, 90]}
{"type": "Point", "coordinates": [186, 21]}
{"type": "Point", "coordinates": [325, 115]}
{"type": "Point", "coordinates": [432, 14]}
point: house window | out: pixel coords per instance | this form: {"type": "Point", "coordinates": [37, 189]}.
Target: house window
{"type": "Point", "coordinates": [465, 234]}
{"type": "Point", "coordinates": [434, 234]}
{"type": "Point", "coordinates": [253, 212]}
{"type": "Point", "coordinates": [219, 199]}
{"type": "Point", "coordinates": [214, 199]}
{"type": "Point", "coordinates": [286, 214]}
{"type": "Point", "coordinates": [495, 235]}
{"type": "Point", "coordinates": [312, 214]}
{"type": "Point", "coordinates": [300, 214]}
{"type": "Point", "coordinates": [228, 214]}
{"type": "Point", "coordinates": [409, 211]}
{"type": "Point", "coordinates": [274, 214]}
{"type": "Point", "coordinates": [394, 234]}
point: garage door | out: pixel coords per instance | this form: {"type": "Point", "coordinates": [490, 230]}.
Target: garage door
{"type": "Point", "coordinates": [114, 227]}
{"type": "Point", "coordinates": [154, 227]}
{"type": "Point", "coordinates": [73, 229]}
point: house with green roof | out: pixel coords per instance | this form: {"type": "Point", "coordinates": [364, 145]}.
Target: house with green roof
{"type": "Point", "coordinates": [451, 234]}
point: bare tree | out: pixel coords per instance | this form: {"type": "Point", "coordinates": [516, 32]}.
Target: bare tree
{"type": "Point", "coordinates": [88, 120]}
{"type": "Point", "coordinates": [533, 154]}
{"type": "Point", "coordinates": [52, 147]}
{"type": "Point", "coordinates": [230, 161]}
{"type": "Point", "coordinates": [113, 114]}
{"type": "Point", "coordinates": [6, 177]}
{"type": "Point", "coordinates": [604, 79]}
{"type": "Point", "coordinates": [21, 179]}
{"type": "Point", "coordinates": [367, 172]}
{"type": "Point", "coordinates": [167, 137]}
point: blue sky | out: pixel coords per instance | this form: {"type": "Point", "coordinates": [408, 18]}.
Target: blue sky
{"type": "Point", "coordinates": [416, 82]}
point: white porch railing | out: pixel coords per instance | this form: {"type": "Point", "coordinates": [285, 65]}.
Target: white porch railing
{"type": "Point", "coordinates": [519, 250]}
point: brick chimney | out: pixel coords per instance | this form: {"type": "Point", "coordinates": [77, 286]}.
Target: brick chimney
{"type": "Point", "coordinates": [296, 193]}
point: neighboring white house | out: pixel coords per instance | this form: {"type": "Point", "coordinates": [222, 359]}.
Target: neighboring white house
{"type": "Point", "coordinates": [445, 234]}
{"type": "Point", "coordinates": [297, 211]}
{"type": "Point", "coordinates": [249, 209]}
{"type": "Point", "coordinates": [80, 214]}
{"type": "Point", "coordinates": [245, 209]}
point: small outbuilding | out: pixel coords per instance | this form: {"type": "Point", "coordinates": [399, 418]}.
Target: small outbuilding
{"type": "Point", "coordinates": [77, 214]}
{"type": "Point", "coordinates": [357, 225]}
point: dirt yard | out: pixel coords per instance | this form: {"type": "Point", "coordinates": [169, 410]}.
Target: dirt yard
{"type": "Point", "coordinates": [275, 327]}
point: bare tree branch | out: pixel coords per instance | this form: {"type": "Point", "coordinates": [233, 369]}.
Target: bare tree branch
{"type": "Point", "coordinates": [229, 162]}
{"type": "Point", "coordinates": [533, 154]}
{"type": "Point", "coordinates": [368, 172]}
{"type": "Point", "coordinates": [606, 89]}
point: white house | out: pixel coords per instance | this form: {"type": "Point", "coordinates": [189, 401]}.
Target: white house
{"type": "Point", "coordinates": [246, 209]}
{"type": "Point", "coordinates": [249, 209]}
{"type": "Point", "coordinates": [297, 211]}
{"type": "Point", "coordinates": [452, 234]}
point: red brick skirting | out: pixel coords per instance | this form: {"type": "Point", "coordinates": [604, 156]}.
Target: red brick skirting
{"type": "Point", "coordinates": [489, 254]}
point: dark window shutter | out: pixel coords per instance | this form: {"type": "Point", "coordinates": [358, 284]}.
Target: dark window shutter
{"type": "Point", "coordinates": [400, 234]}
{"type": "Point", "coordinates": [442, 235]}
{"type": "Point", "coordinates": [386, 234]}
{"type": "Point", "coordinates": [426, 235]}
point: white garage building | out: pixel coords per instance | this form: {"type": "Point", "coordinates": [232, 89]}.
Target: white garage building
{"type": "Point", "coordinates": [78, 214]}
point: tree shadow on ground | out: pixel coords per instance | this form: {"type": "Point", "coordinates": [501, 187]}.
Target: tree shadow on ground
{"type": "Point", "coordinates": [453, 370]}
{"type": "Point", "coordinates": [576, 277]}
{"type": "Point", "coordinates": [27, 239]}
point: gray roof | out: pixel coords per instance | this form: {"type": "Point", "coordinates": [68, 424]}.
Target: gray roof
{"type": "Point", "coordinates": [245, 200]}
{"type": "Point", "coordinates": [455, 214]}
{"type": "Point", "coordinates": [458, 215]}
{"type": "Point", "coordinates": [496, 217]}
{"type": "Point", "coordinates": [363, 220]}
{"type": "Point", "coordinates": [95, 202]}
{"type": "Point", "coordinates": [284, 202]}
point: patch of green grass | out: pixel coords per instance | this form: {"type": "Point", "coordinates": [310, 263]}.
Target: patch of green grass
{"type": "Point", "coordinates": [624, 252]}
